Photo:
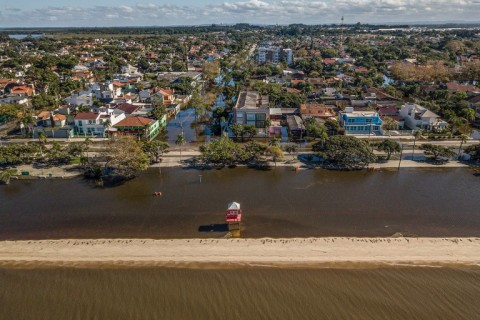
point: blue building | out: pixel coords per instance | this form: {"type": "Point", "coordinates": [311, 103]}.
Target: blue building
{"type": "Point", "coordinates": [360, 122]}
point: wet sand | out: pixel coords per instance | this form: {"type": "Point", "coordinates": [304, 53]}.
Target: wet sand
{"type": "Point", "coordinates": [258, 252]}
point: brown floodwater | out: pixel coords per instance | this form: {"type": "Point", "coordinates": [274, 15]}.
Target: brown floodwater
{"type": "Point", "coordinates": [248, 293]}
{"type": "Point", "coordinates": [275, 203]}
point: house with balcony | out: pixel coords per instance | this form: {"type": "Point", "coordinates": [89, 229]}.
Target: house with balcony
{"type": "Point", "coordinates": [418, 117]}
{"type": "Point", "coordinates": [96, 123]}
{"type": "Point", "coordinates": [140, 127]}
{"type": "Point", "coordinates": [360, 122]}
{"type": "Point", "coordinates": [252, 109]}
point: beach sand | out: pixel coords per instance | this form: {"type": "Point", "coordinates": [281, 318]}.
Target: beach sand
{"type": "Point", "coordinates": [264, 251]}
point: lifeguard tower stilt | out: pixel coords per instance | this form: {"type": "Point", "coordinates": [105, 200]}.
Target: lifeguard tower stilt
{"type": "Point", "coordinates": [233, 217]}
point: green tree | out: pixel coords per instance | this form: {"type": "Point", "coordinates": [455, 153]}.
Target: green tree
{"type": "Point", "coordinates": [389, 124]}
{"type": "Point", "coordinates": [250, 130]}
{"type": "Point", "coordinates": [474, 152]}
{"type": "Point", "coordinates": [316, 130]}
{"type": "Point", "coordinates": [7, 174]}
{"type": "Point", "coordinates": [155, 149]}
{"type": "Point", "coordinates": [274, 142]}
{"type": "Point", "coordinates": [125, 157]}
{"type": "Point", "coordinates": [437, 153]}
{"type": "Point", "coordinates": [276, 153]}
{"type": "Point", "coordinates": [222, 151]}
{"type": "Point", "coordinates": [291, 149]}
{"type": "Point", "coordinates": [389, 146]}
{"type": "Point", "coordinates": [468, 114]}
{"type": "Point", "coordinates": [254, 151]}
{"type": "Point", "coordinates": [333, 127]}
{"type": "Point", "coordinates": [238, 130]}
{"type": "Point", "coordinates": [345, 152]}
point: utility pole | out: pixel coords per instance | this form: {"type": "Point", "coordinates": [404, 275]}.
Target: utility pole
{"type": "Point", "coordinates": [401, 153]}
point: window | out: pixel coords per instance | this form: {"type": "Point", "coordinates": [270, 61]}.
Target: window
{"type": "Point", "coordinates": [260, 120]}
{"type": "Point", "coordinates": [351, 120]}
{"type": "Point", "coordinates": [368, 120]}
{"type": "Point", "coordinates": [80, 123]}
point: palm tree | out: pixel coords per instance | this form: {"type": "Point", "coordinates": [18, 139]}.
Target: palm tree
{"type": "Point", "coordinates": [417, 134]}
{"type": "Point", "coordinates": [180, 142]}
{"type": "Point", "coordinates": [106, 125]}
{"type": "Point", "coordinates": [291, 148]}
{"type": "Point", "coordinates": [87, 143]}
{"type": "Point", "coordinates": [274, 142]}
{"type": "Point", "coordinates": [6, 175]}
{"type": "Point", "coordinates": [463, 139]}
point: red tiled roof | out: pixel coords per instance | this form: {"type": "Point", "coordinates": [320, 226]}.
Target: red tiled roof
{"type": "Point", "coordinates": [86, 116]}
{"type": "Point", "coordinates": [134, 122]}
{"type": "Point", "coordinates": [453, 86]}
{"type": "Point", "coordinates": [387, 111]}
{"type": "Point", "coordinates": [128, 108]}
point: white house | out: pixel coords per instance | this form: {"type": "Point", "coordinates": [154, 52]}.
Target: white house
{"type": "Point", "coordinates": [95, 123]}
{"type": "Point", "coordinates": [106, 91]}
{"type": "Point", "coordinates": [78, 99]}
{"type": "Point", "coordinates": [418, 117]}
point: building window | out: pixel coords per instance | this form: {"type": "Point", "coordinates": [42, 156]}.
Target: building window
{"type": "Point", "coordinates": [350, 120]}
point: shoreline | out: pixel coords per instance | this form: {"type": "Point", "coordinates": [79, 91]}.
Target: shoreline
{"type": "Point", "coordinates": [62, 173]}
{"type": "Point", "coordinates": [333, 252]}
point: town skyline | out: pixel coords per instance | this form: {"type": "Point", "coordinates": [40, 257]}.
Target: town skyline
{"type": "Point", "coordinates": [55, 13]}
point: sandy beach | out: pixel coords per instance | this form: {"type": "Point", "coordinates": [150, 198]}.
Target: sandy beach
{"type": "Point", "coordinates": [265, 251]}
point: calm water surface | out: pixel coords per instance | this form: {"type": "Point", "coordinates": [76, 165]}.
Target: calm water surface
{"type": "Point", "coordinates": [383, 293]}
{"type": "Point", "coordinates": [276, 203]}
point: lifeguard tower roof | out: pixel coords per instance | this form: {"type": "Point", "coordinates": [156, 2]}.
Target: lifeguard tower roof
{"type": "Point", "coordinates": [233, 206]}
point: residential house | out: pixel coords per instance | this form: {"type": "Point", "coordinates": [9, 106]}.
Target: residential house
{"type": "Point", "coordinates": [22, 90]}
{"type": "Point", "coordinates": [79, 99]}
{"type": "Point", "coordinates": [391, 112]}
{"type": "Point", "coordinates": [457, 87]}
{"type": "Point", "coordinates": [128, 108]}
{"type": "Point", "coordinates": [252, 109]}
{"type": "Point", "coordinates": [360, 122]}
{"type": "Point", "coordinates": [167, 95]}
{"type": "Point", "coordinates": [140, 127]}
{"type": "Point", "coordinates": [295, 126]}
{"type": "Point", "coordinates": [96, 123]}
{"type": "Point", "coordinates": [106, 92]}
{"type": "Point", "coordinates": [376, 95]}
{"type": "Point", "coordinates": [418, 117]}
{"type": "Point", "coordinates": [46, 118]}
{"type": "Point", "coordinates": [315, 110]}
{"type": "Point", "coordinates": [13, 99]}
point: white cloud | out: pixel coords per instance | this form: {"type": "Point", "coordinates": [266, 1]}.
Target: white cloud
{"type": "Point", "coordinates": [249, 11]}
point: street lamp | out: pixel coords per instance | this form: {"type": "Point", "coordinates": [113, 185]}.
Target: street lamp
{"type": "Point", "coordinates": [401, 154]}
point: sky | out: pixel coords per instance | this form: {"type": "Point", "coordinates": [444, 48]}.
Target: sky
{"type": "Point", "coordinates": [101, 13]}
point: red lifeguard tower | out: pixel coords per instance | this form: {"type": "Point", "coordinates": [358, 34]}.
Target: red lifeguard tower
{"type": "Point", "coordinates": [233, 216]}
